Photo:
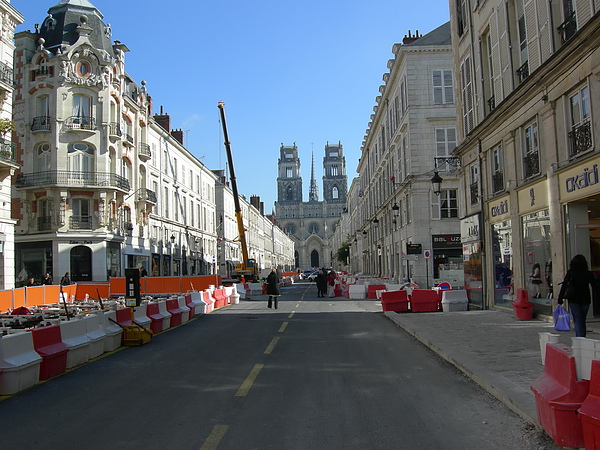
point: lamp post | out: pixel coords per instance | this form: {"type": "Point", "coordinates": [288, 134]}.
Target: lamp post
{"type": "Point", "coordinates": [376, 224]}
{"type": "Point", "coordinates": [395, 262]}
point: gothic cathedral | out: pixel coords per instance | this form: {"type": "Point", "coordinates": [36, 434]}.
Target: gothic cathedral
{"type": "Point", "coordinates": [311, 224]}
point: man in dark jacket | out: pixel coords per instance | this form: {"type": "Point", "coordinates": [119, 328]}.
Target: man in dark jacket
{"type": "Point", "coordinates": [273, 288]}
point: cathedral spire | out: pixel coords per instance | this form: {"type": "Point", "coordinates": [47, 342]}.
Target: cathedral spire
{"type": "Point", "coordinates": [313, 193]}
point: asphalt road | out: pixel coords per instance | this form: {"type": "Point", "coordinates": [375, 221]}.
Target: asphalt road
{"type": "Point", "coordinates": [313, 374]}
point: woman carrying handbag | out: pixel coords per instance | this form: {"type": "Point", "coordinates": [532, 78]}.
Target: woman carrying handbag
{"type": "Point", "coordinates": [576, 289]}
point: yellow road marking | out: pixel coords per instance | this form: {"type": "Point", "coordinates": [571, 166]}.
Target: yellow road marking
{"type": "Point", "coordinates": [271, 346]}
{"type": "Point", "coordinates": [292, 314]}
{"type": "Point", "coordinates": [215, 437]}
{"type": "Point", "coordinates": [283, 325]}
{"type": "Point", "coordinates": [247, 384]}
{"type": "Point", "coordinates": [297, 305]}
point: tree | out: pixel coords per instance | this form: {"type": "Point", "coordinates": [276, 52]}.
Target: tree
{"type": "Point", "coordinates": [343, 253]}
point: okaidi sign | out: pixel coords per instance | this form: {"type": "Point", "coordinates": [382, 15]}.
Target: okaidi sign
{"type": "Point", "coordinates": [499, 209]}
{"type": "Point", "coordinates": [446, 241]}
{"type": "Point", "coordinates": [579, 181]}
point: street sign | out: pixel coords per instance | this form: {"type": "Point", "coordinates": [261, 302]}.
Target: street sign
{"type": "Point", "coordinates": [413, 249]}
{"type": "Point", "coordinates": [410, 257]}
{"type": "Point", "coordinates": [427, 254]}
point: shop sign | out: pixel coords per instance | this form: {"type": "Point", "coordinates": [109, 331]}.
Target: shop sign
{"type": "Point", "coordinates": [470, 229]}
{"type": "Point", "coordinates": [80, 242]}
{"type": "Point", "coordinates": [446, 241]}
{"type": "Point", "coordinates": [580, 181]}
{"type": "Point", "coordinates": [533, 197]}
{"type": "Point", "coordinates": [499, 209]}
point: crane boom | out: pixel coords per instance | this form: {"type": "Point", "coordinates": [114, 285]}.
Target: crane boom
{"type": "Point", "coordinates": [236, 199]}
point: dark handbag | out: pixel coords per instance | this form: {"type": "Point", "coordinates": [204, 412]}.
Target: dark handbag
{"type": "Point", "coordinates": [569, 289]}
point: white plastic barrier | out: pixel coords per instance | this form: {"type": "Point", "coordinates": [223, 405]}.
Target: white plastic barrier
{"type": "Point", "coordinates": [95, 335]}
{"type": "Point", "coordinates": [584, 351]}
{"type": "Point", "coordinates": [392, 287]}
{"type": "Point", "coordinates": [357, 291]}
{"type": "Point", "coordinates": [19, 363]}
{"type": "Point", "coordinates": [162, 309]}
{"type": "Point", "coordinates": [185, 316]}
{"type": "Point", "coordinates": [455, 300]}
{"type": "Point", "coordinates": [547, 338]}
{"type": "Point", "coordinates": [73, 335]}
{"type": "Point", "coordinates": [139, 315]}
{"type": "Point", "coordinates": [113, 332]}
{"type": "Point", "coordinates": [209, 300]}
{"type": "Point", "coordinates": [196, 299]}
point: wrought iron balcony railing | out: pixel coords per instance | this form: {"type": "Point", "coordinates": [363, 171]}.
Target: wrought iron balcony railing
{"type": "Point", "coordinates": [6, 74]}
{"type": "Point", "coordinates": [81, 123]}
{"type": "Point", "coordinates": [44, 223]}
{"type": "Point", "coordinates": [498, 181]}
{"type": "Point", "coordinates": [491, 103]}
{"type": "Point", "coordinates": [8, 151]}
{"type": "Point", "coordinates": [80, 222]}
{"type": "Point", "coordinates": [41, 123]}
{"type": "Point", "coordinates": [114, 129]}
{"type": "Point", "coordinates": [523, 72]}
{"type": "Point", "coordinates": [71, 178]}
{"type": "Point", "coordinates": [568, 28]}
{"type": "Point", "coordinates": [128, 139]}
{"type": "Point", "coordinates": [531, 164]}
{"type": "Point", "coordinates": [144, 151]}
{"type": "Point", "coordinates": [580, 138]}
{"type": "Point", "coordinates": [146, 195]}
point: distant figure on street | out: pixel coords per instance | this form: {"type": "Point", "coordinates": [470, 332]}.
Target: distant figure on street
{"type": "Point", "coordinates": [576, 289]}
{"type": "Point", "coordinates": [331, 283]}
{"type": "Point", "coordinates": [31, 282]}
{"type": "Point", "coordinates": [143, 272]}
{"type": "Point", "coordinates": [321, 282]}
{"type": "Point", "coordinates": [536, 280]}
{"type": "Point", "coordinates": [47, 280]}
{"type": "Point", "coordinates": [66, 280]}
{"type": "Point", "coordinates": [273, 288]}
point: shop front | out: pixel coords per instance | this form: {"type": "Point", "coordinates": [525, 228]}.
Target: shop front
{"type": "Point", "coordinates": [448, 260]}
{"type": "Point", "coordinates": [472, 245]}
{"type": "Point", "coordinates": [502, 247]}
{"type": "Point", "coordinates": [579, 190]}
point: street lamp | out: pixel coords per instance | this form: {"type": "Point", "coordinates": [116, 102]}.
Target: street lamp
{"type": "Point", "coordinates": [172, 238]}
{"type": "Point", "coordinates": [376, 221]}
{"type": "Point", "coordinates": [436, 181]}
{"type": "Point", "coordinates": [395, 210]}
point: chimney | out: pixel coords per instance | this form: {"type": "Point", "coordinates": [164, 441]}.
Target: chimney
{"type": "Point", "coordinates": [178, 135]}
{"type": "Point", "coordinates": [164, 120]}
{"type": "Point", "coordinates": [410, 38]}
{"type": "Point", "coordinates": [255, 201]}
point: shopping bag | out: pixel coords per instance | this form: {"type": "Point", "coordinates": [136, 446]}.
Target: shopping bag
{"type": "Point", "coordinates": [562, 319]}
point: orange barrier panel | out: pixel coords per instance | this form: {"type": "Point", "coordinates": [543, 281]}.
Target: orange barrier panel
{"type": "Point", "coordinates": [199, 283]}
{"type": "Point", "coordinates": [92, 290]}
{"type": "Point", "coordinates": [52, 295]}
{"type": "Point", "coordinates": [34, 295]}
{"type": "Point", "coordinates": [163, 285]}
{"type": "Point", "coordinates": [19, 297]}
{"type": "Point", "coordinates": [117, 286]}
{"type": "Point", "coordinates": [289, 274]}
{"type": "Point", "coordinates": [6, 300]}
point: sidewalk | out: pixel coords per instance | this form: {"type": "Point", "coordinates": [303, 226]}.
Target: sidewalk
{"type": "Point", "coordinates": [499, 352]}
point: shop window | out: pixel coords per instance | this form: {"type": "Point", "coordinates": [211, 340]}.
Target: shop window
{"type": "Point", "coordinates": [537, 260]}
{"type": "Point", "coordinates": [503, 263]}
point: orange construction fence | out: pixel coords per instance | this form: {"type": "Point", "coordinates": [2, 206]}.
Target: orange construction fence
{"type": "Point", "coordinates": [47, 295]}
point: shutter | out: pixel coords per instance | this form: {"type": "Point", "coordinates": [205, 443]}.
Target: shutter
{"type": "Point", "coordinates": [505, 73]}
{"type": "Point", "coordinates": [545, 30]}
{"type": "Point", "coordinates": [448, 86]}
{"type": "Point", "coordinates": [435, 206]}
{"type": "Point", "coordinates": [531, 28]}
{"type": "Point", "coordinates": [583, 12]}
{"type": "Point", "coordinates": [437, 87]}
{"type": "Point", "coordinates": [495, 52]}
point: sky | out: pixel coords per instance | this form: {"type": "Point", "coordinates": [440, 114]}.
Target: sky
{"type": "Point", "coordinates": [289, 72]}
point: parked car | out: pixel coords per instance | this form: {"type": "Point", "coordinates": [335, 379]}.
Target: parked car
{"type": "Point", "coordinates": [310, 275]}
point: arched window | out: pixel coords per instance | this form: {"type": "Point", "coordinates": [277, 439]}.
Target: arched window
{"type": "Point", "coordinates": [80, 160]}
{"type": "Point", "coordinates": [44, 157]}
{"type": "Point", "coordinates": [289, 193]}
{"type": "Point", "coordinates": [335, 193]}
{"type": "Point", "coordinates": [126, 169]}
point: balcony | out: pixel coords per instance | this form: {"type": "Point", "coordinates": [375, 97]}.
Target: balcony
{"type": "Point", "coordinates": [144, 151]}
{"type": "Point", "coordinates": [531, 164]}
{"type": "Point", "coordinates": [128, 139]}
{"type": "Point", "coordinates": [580, 139]}
{"type": "Point", "coordinates": [6, 74]}
{"type": "Point", "coordinates": [568, 28]}
{"type": "Point", "coordinates": [66, 178]}
{"type": "Point", "coordinates": [80, 222]}
{"type": "Point", "coordinates": [146, 195]}
{"type": "Point", "coordinates": [44, 223]}
{"type": "Point", "coordinates": [498, 181]}
{"type": "Point", "coordinates": [114, 130]}
{"type": "Point", "coordinates": [523, 72]}
{"type": "Point", "coordinates": [40, 123]}
{"type": "Point", "coordinates": [78, 123]}
{"type": "Point", "coordinates": [8, 151]}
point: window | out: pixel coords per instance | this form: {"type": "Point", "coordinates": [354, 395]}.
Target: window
{"type": "Point", "coordinates": [289, 195]}
{"type": "Point", "coordinates": [82, 106]}
{"type": "Point", "coordinates": [448, 204]}
{"type": "Point", "coordinates": [166, 202]}
{"type": "Point", "coordinates": [334, 171]}
{"type": "Point", "coordinates": [289, 173]}
{"type": "Point", "coordinates": [80, 158]}
{"type": "Point", "coordinates": [80, 217]}
{"type": "Point", "coordinates": [335, 194]}
{"type": "Point", "coordinates": [445, 142]}
{"type": "Point", "coordinates": [531, 162]}
{"type": "Point", "coordinates": [443, 89]}
{"type": "Point", "coordinates": [467, 95]}
{"type": "Point", "coordinates": [44, 157]}
{"type": "Point", "coordinates": [461, 16]}
{"type": "Point", "coordinates": [580, 136]}
{"type": "Point", "coordinates": [126, 169]}
{"type": "Point", "coordinates": [497, 171]}
{"type": "Point", "coordinates": [474, 184]}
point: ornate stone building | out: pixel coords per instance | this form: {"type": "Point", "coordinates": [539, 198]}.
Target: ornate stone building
{"type": "Point", "coordinates": [311, 224]}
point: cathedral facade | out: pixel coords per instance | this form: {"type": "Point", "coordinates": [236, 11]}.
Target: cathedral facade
{"type": "Point", "coordinates": [311, 224]}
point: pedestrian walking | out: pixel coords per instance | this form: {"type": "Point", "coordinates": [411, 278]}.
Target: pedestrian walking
{"type": "Point", "coordinates": [331, 283]}
{"type": "Point", "coordinates": [47, 280]}
{"type": "Point", "coordinates": [321, 282]}
{"type": "Point", "coordinates": [273, 288]}
{"type": "Point", "coordinates": [66, 280]}
{"type": "Point", "coordinates": [576, 289]}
